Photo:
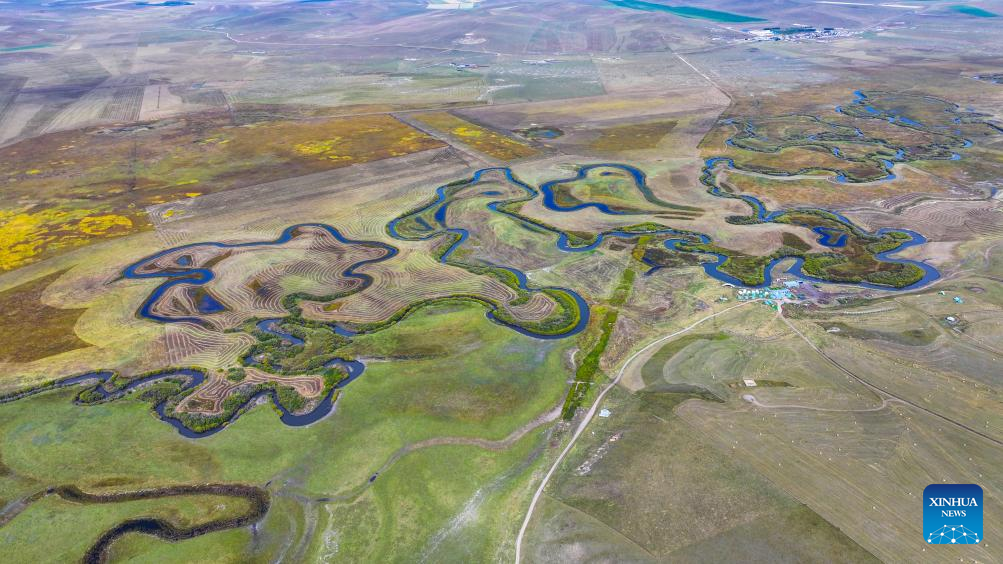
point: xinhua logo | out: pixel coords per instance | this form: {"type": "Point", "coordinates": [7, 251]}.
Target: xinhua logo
{"type": "Point", "coordinates": [952, 514]}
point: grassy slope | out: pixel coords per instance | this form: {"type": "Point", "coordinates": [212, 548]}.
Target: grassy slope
{"type": "Point", "coordinates": [34, 536]}
{"type": "Point", "coordinates": [498, 383]}
{"type": "Point", "coordinates": [661, 492]}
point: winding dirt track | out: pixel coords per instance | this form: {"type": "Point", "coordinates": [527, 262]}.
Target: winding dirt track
{"type": "Point", "coordinates": [591, 413]}
{"type": "Point", "coordinates": [884, 393]}
{"type": "Point", "coordinates": [488, 444]}
{"type": "Point", "coordinates": [500, 444]}
{"type": "Point", "coordinates": [884, 403]}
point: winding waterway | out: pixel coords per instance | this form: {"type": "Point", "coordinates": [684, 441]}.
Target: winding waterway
{"type": "Point", "coordinates": [464, 234]}
{"type": "Point", "coordinates": [828, 237]}
{"type": "Point", "coordinates": [185, 274]}
{"type": "Point", "coordinates": [182, 272]}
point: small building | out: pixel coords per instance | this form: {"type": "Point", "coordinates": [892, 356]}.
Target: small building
{"type": "Point", "coordinates": [605, 413]}
{"type": "Point", "coordinates": [782, 294]}
{"type": "Point", "coordinates": [749, 382]}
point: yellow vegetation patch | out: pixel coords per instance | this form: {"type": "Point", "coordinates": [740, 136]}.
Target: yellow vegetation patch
{"type": "Point", "coordinates": [317, 147]}
{"type": "Point", "coordinates": [24, 236]}
{"type": "Point", "coordinates": [479, 138]}
{"type": "Point", "coordinates": [126, 172]}
{"type": "Point", "coordinates": [359, 139]}
{"type": "Point", "coordinates": [468, 132]}
{"type": "Point", "coordinates": [101, 224]}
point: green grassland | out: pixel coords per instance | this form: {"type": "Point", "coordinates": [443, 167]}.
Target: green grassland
{"type": "Point", "coordinates": [321, 344]}
{"type": "Point", "coordinates": [499, 382]}
{"type": "Point", "coordinates": [224, 547]}
{"type": "Point", "coordinates": [651, 372]}
{"type": "Point", "coordinates": [755, 347]}
{"type": "Point", "coordinates": [647, 487]}
{"type": "Point", "coordinates": [54, 529]}
{"type": "Point", "coordinates": [433, 453]}
{"type": "Point", "coordinates": [830, 441]}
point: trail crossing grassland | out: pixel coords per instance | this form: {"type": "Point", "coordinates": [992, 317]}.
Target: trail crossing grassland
{"type": "Point", "coordinates": [488, 444]}
{"type": "Point", "coordinates": [886, 397]}
{"type": "Point", "coordinates": [882, 393]}
{"type": "Point", "coordinates": [884, 403]}
{"type": "Point", "coordinates": [591, 413]}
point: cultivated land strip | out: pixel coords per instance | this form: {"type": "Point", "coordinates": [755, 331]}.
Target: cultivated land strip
{"type": "Point", "coordinates": [416, 169]}
{"type": "Point", "coordinates": [588, 418]}
{"type": "Point", "coordinates": [362, 45]}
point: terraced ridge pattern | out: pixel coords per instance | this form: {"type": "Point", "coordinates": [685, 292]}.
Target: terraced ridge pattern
{"type": "Point", "coordinates": [481, 227]}
{"type": "Point", "coordinates": [860, 144]}
{"type": "Point", "coordinates": [294, 360]}
{"type": "Point", "coordinates": [856, 256]}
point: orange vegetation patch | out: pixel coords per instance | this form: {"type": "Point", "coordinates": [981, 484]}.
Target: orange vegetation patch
{"type": "Point", "coordinates": [479, 138]}
{"type": "Point", "coordinates": [33, 330]}
{"type": "Point", "coordinates": [65, 189]}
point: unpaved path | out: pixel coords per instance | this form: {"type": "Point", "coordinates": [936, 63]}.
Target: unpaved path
{"type": "Point", "coordinates": [591, 413]}
{"type": "Point", "coordinates": [752, 399]}
{"type": "Point", "coordinates": [488, 444]}
{"type": "Point", "coordinates": [881, 393]}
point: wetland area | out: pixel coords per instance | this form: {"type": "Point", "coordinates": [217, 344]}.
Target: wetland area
{"type": "Point", "coordinates": [497, 281]}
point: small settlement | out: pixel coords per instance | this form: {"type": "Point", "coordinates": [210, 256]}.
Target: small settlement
{"type": "Point", "coordinates": [784, 291]}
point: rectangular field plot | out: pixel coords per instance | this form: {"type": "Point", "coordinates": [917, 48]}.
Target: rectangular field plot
{"type": "Point", "coordinates": [476, 137]}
